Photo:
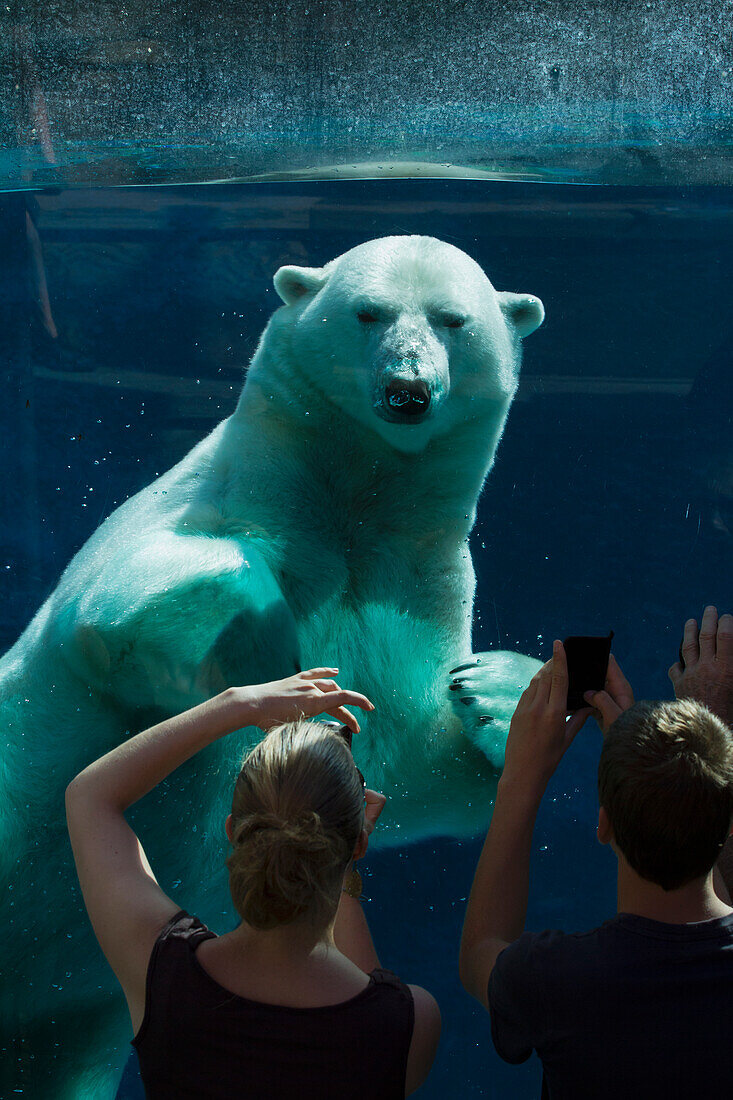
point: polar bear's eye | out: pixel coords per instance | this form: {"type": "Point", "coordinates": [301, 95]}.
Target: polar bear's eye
{"type": "Point", "coordinates": [366, 317]}
{"type": "Point", "coordinates": [454, 322]}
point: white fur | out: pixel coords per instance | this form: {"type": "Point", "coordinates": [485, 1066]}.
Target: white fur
{"type": "Point", "coordinates": [307, 529]}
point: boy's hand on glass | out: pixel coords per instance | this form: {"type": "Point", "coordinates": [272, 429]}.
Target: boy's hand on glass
{"type": "Point", "coordinates": [705, 672]}
{"type": "Point", "coordinates": [616, 697]}
{"type": "Point", "coordinates": [540, 731]}
{"type": "Point", "coordinates": [305, 695]}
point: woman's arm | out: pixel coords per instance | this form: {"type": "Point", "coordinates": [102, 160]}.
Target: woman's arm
{"type": "Point", "coordinates": [126, 905]}
{"type": "Point", "coordinates": [425, 1038]}
{"type": "Point", "coordinates": [353, 938]}
{"type": "Point", "coordinates": [350, 931]}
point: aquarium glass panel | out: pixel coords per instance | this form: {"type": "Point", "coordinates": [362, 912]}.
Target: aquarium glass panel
{"type": "Point", "coordinates": [413, 471]}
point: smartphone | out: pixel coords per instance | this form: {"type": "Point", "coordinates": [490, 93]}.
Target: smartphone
{"type": "Point", "coordinates": [587, 657]}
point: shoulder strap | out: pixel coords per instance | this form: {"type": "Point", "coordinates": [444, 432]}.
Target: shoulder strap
{"type": "Point", "coordinates": [185, 929]}
{"type": "Point", "coordinates": [382, 976]}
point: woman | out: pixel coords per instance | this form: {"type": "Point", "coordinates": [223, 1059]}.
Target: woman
{"type": "Point", "coordinates": [293, 1001]}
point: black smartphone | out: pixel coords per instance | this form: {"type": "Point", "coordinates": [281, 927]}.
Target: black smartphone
{"type": "Point", "coordinates": [587, 666]}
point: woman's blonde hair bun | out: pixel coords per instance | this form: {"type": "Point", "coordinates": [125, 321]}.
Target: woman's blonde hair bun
{"type": "Point", "coordinates": [296, 816]}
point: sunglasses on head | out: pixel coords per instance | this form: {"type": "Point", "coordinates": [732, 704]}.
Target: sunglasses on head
{"type": "Point", "coordinates": [345, 733]}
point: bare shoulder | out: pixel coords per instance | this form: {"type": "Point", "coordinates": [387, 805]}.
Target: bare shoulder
{"type": "Point", "coordinates": [425, 1037]}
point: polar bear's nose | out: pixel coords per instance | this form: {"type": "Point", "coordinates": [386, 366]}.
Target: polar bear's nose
{"type": "Point", "coordinates": [407, 399]}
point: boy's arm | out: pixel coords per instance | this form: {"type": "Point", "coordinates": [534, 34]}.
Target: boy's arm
{"type": "Point", "coordinates": [497, 905]}
{"type": "Point", "coordinates": [538, 738]}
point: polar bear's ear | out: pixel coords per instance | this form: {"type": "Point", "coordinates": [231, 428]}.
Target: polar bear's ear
{"type": "Point", "coordinates": [294, 283]}
{"type": "Point", "coordinates": [523, 311]}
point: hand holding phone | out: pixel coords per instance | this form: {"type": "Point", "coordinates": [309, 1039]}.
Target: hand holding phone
{"type": "Point", "coordinates": [587, 658]}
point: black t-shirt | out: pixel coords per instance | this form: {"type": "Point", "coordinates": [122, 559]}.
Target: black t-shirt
{"type": "Point", "coordinates": [634, 1009]}
{"type": "Point", "coordinates": [198, 1041]}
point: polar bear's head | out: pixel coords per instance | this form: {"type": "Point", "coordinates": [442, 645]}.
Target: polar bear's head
{"type": "Point", "coordinates": [406, 335]}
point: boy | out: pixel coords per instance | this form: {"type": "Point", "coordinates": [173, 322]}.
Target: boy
{"type": "Point", "coordinates": [641, 1006]}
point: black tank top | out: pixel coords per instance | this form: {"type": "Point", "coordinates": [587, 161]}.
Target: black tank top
{"type": "Point", "coordinates": [198, 1041]}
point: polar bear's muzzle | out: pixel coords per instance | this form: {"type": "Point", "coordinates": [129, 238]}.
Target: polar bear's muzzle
{"type": "Point", "coordinates": [412, 377]}
{"type": "Point", "coordinates": [404, 401]}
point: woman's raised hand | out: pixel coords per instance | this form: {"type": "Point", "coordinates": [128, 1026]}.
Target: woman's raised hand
{"type": "Point", "coordinates": [304, 695]}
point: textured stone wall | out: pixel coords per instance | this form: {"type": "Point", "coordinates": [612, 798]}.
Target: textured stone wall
{"type": "Point", "coordinates": [601, 90]}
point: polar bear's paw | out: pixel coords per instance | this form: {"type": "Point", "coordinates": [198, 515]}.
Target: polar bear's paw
{"type": "Point", "coordinates": [484, 692]}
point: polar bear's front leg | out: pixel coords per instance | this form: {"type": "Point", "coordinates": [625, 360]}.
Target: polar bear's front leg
{"type": "Point", "coordinates": [484, 692]}
{"type": "Point", "coordinates": [177, 620]}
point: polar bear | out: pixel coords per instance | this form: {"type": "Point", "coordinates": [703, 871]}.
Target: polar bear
{"type": "Point", "coordinates": [325, 521]}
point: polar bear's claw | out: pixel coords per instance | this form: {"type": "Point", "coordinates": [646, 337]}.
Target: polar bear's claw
{"type": "Point", "coordinates": [462, 668]}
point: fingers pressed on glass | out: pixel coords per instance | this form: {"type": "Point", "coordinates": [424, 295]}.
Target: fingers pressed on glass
{"type": "Point", "coordinates": [725, 637]}
{"type": "Point", "coordinates": [708, 632]}
{"type": "Point", "coordinates": [674, 672]}
{"type": "Point", "coordinates": [690, 648]}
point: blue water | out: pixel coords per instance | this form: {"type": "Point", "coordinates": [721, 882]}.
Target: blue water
{"type": "Point", "coordinates": [610, 505]}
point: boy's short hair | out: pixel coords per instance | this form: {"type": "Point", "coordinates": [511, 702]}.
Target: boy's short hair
{"type": "Point", "coordinates": [665, 779]}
